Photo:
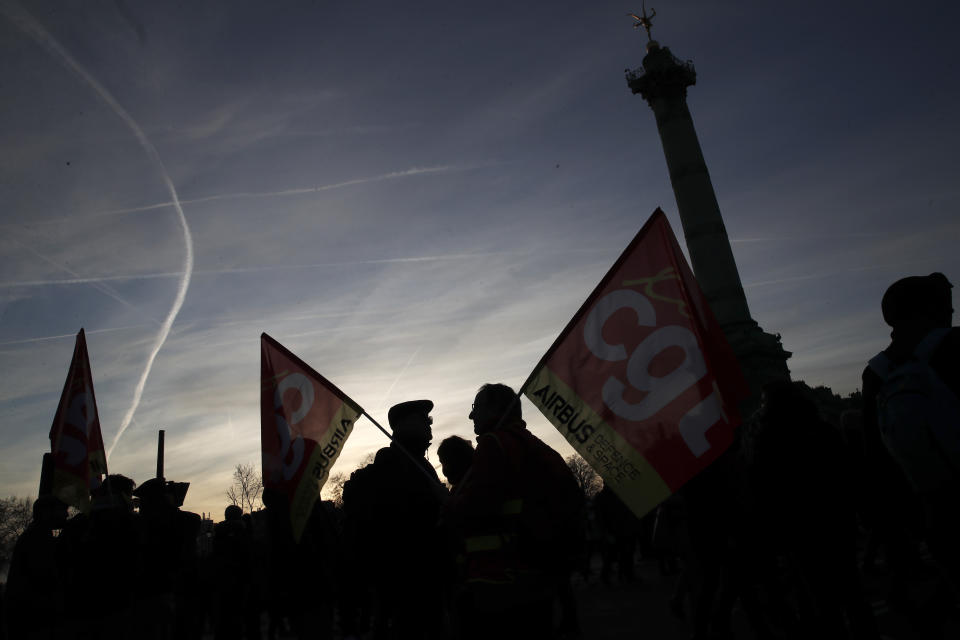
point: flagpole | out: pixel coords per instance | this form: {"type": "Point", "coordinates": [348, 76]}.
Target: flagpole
{"type": "Point", "coordinates": [506, 411]}
{"type": "Point", "coordinates": [160, 454]}
{"type": "Point", "coordinates": [409, 455]}
{"type": "Point", "coordinates": [46, 475]}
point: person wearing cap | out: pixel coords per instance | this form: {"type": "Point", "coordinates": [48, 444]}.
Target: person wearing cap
{"type": "Point", "coordinates": [918, 309]}
{"type": "Point", "coordinates": [392, 506]}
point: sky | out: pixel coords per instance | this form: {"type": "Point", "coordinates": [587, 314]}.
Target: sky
{"type": "Point", "coordinates": [416, 197]}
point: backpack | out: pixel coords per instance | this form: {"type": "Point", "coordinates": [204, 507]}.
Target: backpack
{"type": "Point", "coordinates": [919, 416]}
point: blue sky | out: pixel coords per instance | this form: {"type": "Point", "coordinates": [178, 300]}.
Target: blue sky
{"type": "Point", "coordinates": [415, 199]}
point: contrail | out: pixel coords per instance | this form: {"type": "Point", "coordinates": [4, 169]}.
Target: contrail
{"type": "Point", "coordinates": [413, 171]}
{"type": "Point", "coordinates": [13, 284]}
{"type": "Point", "coordinates": [96, 284]}
{"type": "Point", "coordinates": [383, 403]}
{"type": "Point", "coordinates": [89, 332]}
{"type": "Point", "coordinates": [32, 28]}
{"type": "Point", "coordinates": [281, 267]}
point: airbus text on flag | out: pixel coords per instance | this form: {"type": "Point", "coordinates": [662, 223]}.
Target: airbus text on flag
{"type": "Point", "coordinates": [642, 381]}
{"type": "Point", "coordinates": [304, 421]}
{"type": "Point", "coordinates": [79, 460]}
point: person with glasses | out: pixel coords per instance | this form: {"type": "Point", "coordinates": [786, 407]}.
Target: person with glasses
{"type": "Point", "coordinates": [519, 515]}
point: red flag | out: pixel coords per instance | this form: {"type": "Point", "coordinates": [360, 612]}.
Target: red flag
{"type": "Point", "coordinates": [304, 421]}
{"type": "Point", "coordinates": [642, 381]}
{"type": "Point", "coordinates": [79, 460]}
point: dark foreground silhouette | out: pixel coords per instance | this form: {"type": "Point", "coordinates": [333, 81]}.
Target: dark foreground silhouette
{"type": "Point", "coordinates": [802, 529]}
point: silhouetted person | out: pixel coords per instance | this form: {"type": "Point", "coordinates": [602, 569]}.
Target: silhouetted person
{"type": "Point", "coordinates": [725, 553]}
{"type": "Point", "coordinates": [519, 511]}
{"type": "Point", "coordinates": [911, 396]}
{"type": "Point", "coordinates": [169, 577]}
{"type": "Point", "coordinates": [798, 477]}
{"type": "Point", "coordinates": [301, 577]}
{"type": "Point", "coordinates": [318, 566]}
{"type": "Point", "coordinates": [34, 592]}
{"type": "Point", "coordinates": [890, 514]}
{"type": "Point", "coordinates": [456, 456]}
{"type": "Point", "coordinates": [283, 592]}
{"type": "Point", "coordinates": [392, 507]}
{"type": "Point", "coordinates": [100, 553]}
{"type": "Point", "coordinates": [232, 560]}
{"type": "Point", "coordinates": [621, 529]}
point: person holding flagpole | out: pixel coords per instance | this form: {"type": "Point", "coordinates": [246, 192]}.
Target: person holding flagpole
{"type": "Point", "coordinates": [393, 508]}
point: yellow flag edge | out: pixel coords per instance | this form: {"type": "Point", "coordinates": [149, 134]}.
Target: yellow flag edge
{"type": "Point", "coordinates": [621, 466]}
{"type": "Point", "coordinates": [317, 469]}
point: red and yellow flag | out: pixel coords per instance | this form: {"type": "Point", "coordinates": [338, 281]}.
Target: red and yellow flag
{"type": "Point", "coordinates": [304, 421]}
{"type": "Point", "coordinates": [79, 461]}
{"type": "Point", "coordinates": [642, 381]}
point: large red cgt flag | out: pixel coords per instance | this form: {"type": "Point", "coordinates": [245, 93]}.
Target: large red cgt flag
{"type": "Point", "coordinates": [304, 421]}
{"type": "Point", "coordinates": [79, 460]}
{"type": "Point", "coordinates": [642, 381]}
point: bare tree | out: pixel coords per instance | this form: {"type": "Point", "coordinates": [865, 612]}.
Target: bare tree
{"type": "Point", "coordinates": [15, 515]}
{"type": "Point", "coordinates": [589, 480]}
{"type": "Point", "coordinates": [247, 488]}
{"type": "Point", "coordinates": [334, 488]}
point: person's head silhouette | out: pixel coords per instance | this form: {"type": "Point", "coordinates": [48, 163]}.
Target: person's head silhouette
{"type": "Point", "coordinates": [918, 304]}
{"type": "Point", "coordinates": [456, 456]}
{"type": "Point", "coordinates": [411, 422]}
{"type": "Point", "coordinates": [495, 406]}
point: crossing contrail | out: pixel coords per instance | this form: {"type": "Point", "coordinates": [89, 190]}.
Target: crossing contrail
{"type": "Point", "coordinates": [241, 195]}
{"type": "Point", "coordinates": [35, 30]}
{"type": "Point", "coordinates": [96, 284]}
{"type": "Point", "coordinates": [89, 332]}
{"type": "Point", "coordinates": [415, 171]}
{"type": "Point", "coordinates": [386, 396]}
{"type": "Point", "coordinates": [282, 267]}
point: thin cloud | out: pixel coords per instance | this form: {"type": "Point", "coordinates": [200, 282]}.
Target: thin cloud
{"type": "Point", "coordinates": [814, 236]}
{"type": "Point", "coordinates": [831, 274]}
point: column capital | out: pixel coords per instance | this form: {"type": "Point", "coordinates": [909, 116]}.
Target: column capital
{"type": "Point", "coordinates": [663, 75]}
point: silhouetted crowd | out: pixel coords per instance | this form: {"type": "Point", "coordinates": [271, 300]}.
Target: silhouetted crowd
{"type": "Point", "coordinates": [785, 527]}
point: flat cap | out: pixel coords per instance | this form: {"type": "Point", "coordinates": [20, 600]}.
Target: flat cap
{"type": "Point", "coordinates": [400, 411]}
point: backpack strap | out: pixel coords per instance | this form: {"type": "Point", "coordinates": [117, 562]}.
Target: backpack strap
{"type": "Point", "coordinates": [880, 364]}
{"type": "Point", "coordinates": [929, 344]}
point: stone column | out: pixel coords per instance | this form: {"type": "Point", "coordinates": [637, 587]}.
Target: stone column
{"type": "Point", "coordinates": [663, 83]}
